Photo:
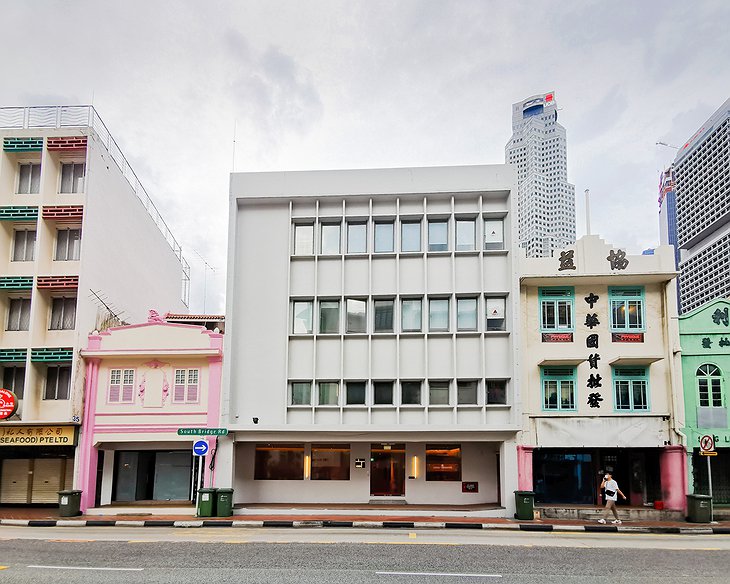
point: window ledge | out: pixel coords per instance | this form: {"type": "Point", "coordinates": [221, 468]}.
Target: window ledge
{"type": "Point", "coordinates": [356, 335]}
{"type": "Point", "coordinates": [384, 406]}
{"type": "Point", "coordinates": [411, 254]}
{"type": "Point", "coordinates": [300, 257]}
{"type": "Point", "coordinates": [468, 407]}
{"type": "Point", "coordinates": [440, 407]}
{"type": "Point", "coordinates": [299, 407]}
{"type": "Point", "coordinates": [495, 252]}
{"type": "Point", "coordinates": [301, 336]}
{"type": "Point", "coordinates": [351, 407]}
{"type": "Point", "coordinates": [443, 253]}
{"type": "Point", "coordinates": [439, 334]}
{"type": "Point", "coordinates": [385, 335]}
{"type": "Point", "coordinates": [498, 406]}
{"type": "Point", "coordinates": [412, 334]}
{"type": "Point", "coordinates": [330, 256]}
{"type": "Point", "coordinates": [384, 254]}
{"type": "Point", "coordinates": [412, 407]}
{"type": "Point", "coordinates": [466, 252]}
{"type": "Point", "coordinates": [361, 255]}
{"type": "Point", "coordinates": [496, 333]}
{"type": "Point", "coordinates": [468, 334]}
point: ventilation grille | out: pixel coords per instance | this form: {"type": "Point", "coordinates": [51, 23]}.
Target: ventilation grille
{"type": "Point", "coordinates": [57, 282]}
{"type": "Point", "coordinates": [70, 143]}
{"type": "Point", "coordinates": [16, 282]}
{"type": "Point", "coordinates": [14, 213]}
{"type": "Point", "coordinates": [22, 144]}
{"type": "Point", "coordinates": [47, 355]}
{"type": "Point", "coordinates": [70, 213]}
{"type": "Point", "coordinates": [8, 355]}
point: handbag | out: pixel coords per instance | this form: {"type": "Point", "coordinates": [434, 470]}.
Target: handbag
{"type": "Point", "coordinates": [610, 493]}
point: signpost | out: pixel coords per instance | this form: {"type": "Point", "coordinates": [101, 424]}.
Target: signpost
{"type": "Point", "coordinates": [202, 431]}
{"type": "Point", "coordinates": [707, 449]}
{"type": "Point", "coordinates": [200, 449]}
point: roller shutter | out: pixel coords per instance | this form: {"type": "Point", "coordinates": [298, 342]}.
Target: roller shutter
{"type": "Point", "coordinates": [14, 480]}
{"type": "Point", "coordinates": [47, 479]}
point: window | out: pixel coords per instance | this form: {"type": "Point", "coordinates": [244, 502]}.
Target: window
{"type": "Point", "coordinates": [383, 393]}
{"type": "Point", "coordinates": [279, 462]}
{"type": "Point", "coordinates": [58, 383]}
{"type": "Point", "coordinates": [187, 386]}
{"type": "Point", "coordinates": [493, 234]}
{"type": "Point", "coordinates": [14, 380]}
{"type": "Point", "coordinates": [329, 316]}
{"type": "Point", "coordinates": [357, 238]}
{"type": "Point", "coordinates": [330, 462]}
{"type": "Point", "coordinates": [302, 317]}
{"type": "Point", "coordinates": [384, 237]}
{"type": "Point", "coordinates": [19, 314]}
{"type": "Point", "coordinates": [24, 245]}
{"type": "Point", "coordinates": [121, 386]}
{"type": "Point", "coordinates": [466, 230]}
{"type": "Point", "coordinates": [29, 178]}
{"type": "Point", "coordinates": [438, 393]}
{"type": "Point", "coordinates": [329, 393]}
{"type": "Point", "coordinates": [356, 316]}
{"type": "Point", "coordinates": [466, 314]}
{"type": "Point", "coordinates": [466, 393]}
{"type": "Point", "coordinates": [410, 393]}
{"type": "Point", "coordinates": [558, 388]}
{"type": "Point", "coordinates": [383, 321]}
{"type": "Point", "coordinates": [330, 239]}
{"type": "Point", "coordinates": [438, 236]}
{"type": "Point", "coordinates": [355, 393]}
{"type": "Point", "coordinates": [626, 308]}
{"type": "Point", "coordinates": [630, 389]}
{"type": "Point", "coordinates": [301, 393]}
{"type": "Point", "coordinates": [496, 391]}
{"type": "Point", "coordinates": [443, 462]}
{"type": "Point", "coordinates": [438, 314]}
{"type": "Point", "coordinates": [411, 315]}
{"type": "Point", "coordinates": [68, 244]}
{"type": "Point", "coordinates": [72, 177]}
{"type": "Point", "coordinates": [709, 386]}
{"type": "Point", "coordinates": [556, 309]}
{"type": "Point", "coordinates": [63, 314]}
{"type": "Point", "coordinates": [496, 308]}
{"type": "Point", "coordinates": [410, 236]}
{"type": "Point", "coordinates": [303, 239]}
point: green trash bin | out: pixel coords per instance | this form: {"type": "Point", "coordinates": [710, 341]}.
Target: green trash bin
{"type": "Point", "coordinates": [69, 503]}
{"type": "Point", "coordinates": [699, 508]}
{"type": "Point", "coordinates": [525, 503]}
{"type": "Point", "coordinates": [206, 502]}
{"type": "Point", "coordinates": [224, 503]}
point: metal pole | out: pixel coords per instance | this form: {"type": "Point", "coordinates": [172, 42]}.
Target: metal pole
{"type": "Point", "coordinates": [709, 484]}
{"type": "Point", "coordinates": [588, 212]}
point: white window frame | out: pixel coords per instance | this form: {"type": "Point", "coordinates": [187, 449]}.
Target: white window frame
{"type": "Point", "coordinates": [121, 386]}
{"type": "Point", "coordinates": [26, 232]}
{"type": "Point", "coordinates": [187, 381]}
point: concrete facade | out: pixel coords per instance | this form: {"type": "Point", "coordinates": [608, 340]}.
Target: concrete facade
{"type": "Point", "coordinates": [79, 250]}
{"type": "Point", "coordinates": [372, 326]}
{"type": "Point", "coordinates": [599, 376]}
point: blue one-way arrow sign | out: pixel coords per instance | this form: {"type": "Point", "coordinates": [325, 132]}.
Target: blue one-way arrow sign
{"type": "Point", "coordinates": [200, 448]}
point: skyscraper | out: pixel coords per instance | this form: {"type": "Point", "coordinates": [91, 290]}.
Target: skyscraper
{"type": "Point", "coordinates": [703, 211]}
{"type": "Point", "coordinates": [546, 200]}
{"type": "Point", "coordinates": [668, 216]}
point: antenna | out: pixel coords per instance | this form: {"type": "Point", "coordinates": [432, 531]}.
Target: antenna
{"type": "Point", "coordinates": [233, 162]}
{"type": "Point", "coordinates": [588, 212]}
{"type": "Point", "coordinates": [206, 266]}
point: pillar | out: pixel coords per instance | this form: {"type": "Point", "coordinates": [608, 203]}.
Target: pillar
{"type": "Point", "coordinates": [524, 468]}
{"type": "Point", "coordinates": [673, 475]}
{"type": "Point", "coordinates": [508, 474]}
{"type": "Point", "coordinates": [88, 455]}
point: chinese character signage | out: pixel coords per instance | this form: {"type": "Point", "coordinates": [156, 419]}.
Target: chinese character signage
{"type": "Point", "coordinates": [37, 435]}
{"type": "Point", "coordinates": [592, 341]}
{"type": "Point", "coordinates": [627, 337]}
{"type": "Point", "coordinates": [557, 337]}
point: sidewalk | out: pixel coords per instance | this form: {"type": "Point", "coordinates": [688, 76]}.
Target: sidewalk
{"type": "Point", "coordinates": [312, 518]}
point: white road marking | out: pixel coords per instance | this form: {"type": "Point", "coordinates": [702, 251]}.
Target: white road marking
{"type": "Point", "coordinates": [87, 568]}
{"type": "Point", "coordinates": [438, 574]}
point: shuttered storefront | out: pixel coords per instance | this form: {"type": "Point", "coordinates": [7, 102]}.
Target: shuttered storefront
{"type": "Point", "coordinates": [34, 480]}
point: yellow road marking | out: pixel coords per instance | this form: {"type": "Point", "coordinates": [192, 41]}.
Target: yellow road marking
{"type": "Point", "coordinates": [70, 540]}
{"type": "Point", "coordinates": [412, 535]}
{"type": "Point", "coordinates": [3, 567]}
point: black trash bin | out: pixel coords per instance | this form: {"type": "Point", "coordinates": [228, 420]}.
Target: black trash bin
{"type": "Point", "coordinates": [69, 503]}
{"type": "Point", "coordinates": [525, 503]}
{"type": "Point", "coordinates": [699, 508]}
{"type": "Point", "coordinates": [224, 503]}
{"type": "Point", "coordinates": [206, 502]}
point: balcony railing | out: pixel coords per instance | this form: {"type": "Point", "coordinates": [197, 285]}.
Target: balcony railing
{"type": "Point", "coordinates": [85, 116]}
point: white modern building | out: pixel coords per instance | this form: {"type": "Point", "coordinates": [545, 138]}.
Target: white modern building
{"type": "Point", "coordinates": [546, 200]}
{"type": "Point", "coordinates": [82, 247]}
{"type": "Point", "coordinates": [372, 335]}
{"type": "Point", "coordinates": [703, 211]}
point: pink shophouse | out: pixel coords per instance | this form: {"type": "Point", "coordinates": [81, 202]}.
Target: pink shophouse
{"type": "Point", "coordinates": [146, 385]}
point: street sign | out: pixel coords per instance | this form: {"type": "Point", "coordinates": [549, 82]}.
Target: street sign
{"type": "Point", "coordinates": [706, 453]}
{"type": "Point", "coordinates": [200, 448]}
{"type": "Point", "coordinates": [707, 443]}
{"type": "Point", "coordinates": [202, 431]}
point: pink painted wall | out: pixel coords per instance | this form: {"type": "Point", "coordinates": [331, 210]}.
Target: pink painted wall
{"type": "Point", "coordinates": [135, 422]}
{"type": "Point", "coordinates": [673, 475]}
{"type": "Point", "coordinates": [524, 467]}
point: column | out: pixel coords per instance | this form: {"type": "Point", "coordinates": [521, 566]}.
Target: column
{"type": "Point", "coordinates": [509, 471]}
{"type": "Point", "coordinates": [673, 474]}
{"type": "Point", "coordinates": [88, 455]}
{"type": "Point", "coordinates": [524, 468]}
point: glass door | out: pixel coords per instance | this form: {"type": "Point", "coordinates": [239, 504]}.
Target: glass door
{"type": "Point", "coordinates": [387, 470]}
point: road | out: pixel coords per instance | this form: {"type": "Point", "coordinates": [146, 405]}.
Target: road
{"type": "Point", "coordinates": [354, 556]}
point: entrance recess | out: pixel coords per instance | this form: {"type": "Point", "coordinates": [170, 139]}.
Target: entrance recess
{"type": "Point", "coordinates": [387, 470]}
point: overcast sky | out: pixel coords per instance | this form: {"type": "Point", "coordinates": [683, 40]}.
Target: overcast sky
{"type": "Point", "coordinates": [360, 84]}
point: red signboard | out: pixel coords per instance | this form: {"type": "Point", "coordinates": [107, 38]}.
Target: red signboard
{"type": "Point", "coordinates": [470, 487]}
{"type": "Point", "coordinates": [8, 403]}
{"type": "Point", "coordinates": [557, 337]}
{"type": "Point", "coordinates": [627, 337]}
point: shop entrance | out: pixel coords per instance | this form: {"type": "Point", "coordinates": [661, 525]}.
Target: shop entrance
{"type": "Point", "coordinates": [150, 475]}
{"type": "Point", "coordinates": [34, 480]}
{"type": "Point", "coordinates": [387, 470]}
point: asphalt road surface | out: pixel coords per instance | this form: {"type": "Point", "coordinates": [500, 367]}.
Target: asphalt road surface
{"type": "Point", "coordinates": [347, 556]}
